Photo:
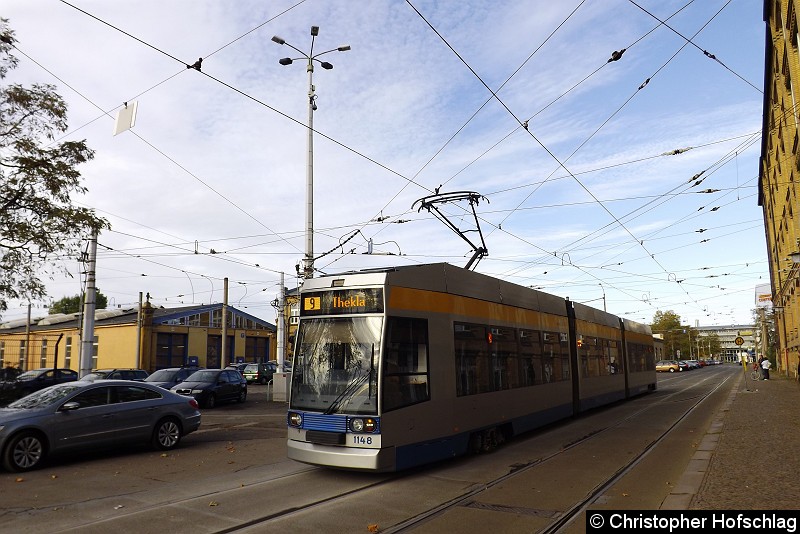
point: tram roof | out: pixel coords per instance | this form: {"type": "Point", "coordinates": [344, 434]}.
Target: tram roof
{"type": "Point", "coordinates": [447, 278]}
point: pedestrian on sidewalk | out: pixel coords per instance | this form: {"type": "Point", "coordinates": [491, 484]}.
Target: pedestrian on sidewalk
{"type": "Point", "coordinates": [765, 365]}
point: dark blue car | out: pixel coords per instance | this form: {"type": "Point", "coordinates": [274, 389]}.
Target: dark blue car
{"type": "Point", "coordinates": [37, 379]}
{"type": "Point", "coordinates": [213, 386]}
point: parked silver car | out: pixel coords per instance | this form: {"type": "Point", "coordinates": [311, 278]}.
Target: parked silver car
{"type": "Point", "coordinates": [81, 415]}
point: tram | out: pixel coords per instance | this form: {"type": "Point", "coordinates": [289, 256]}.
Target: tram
{"type": "Point", "coordinates": [400, 367]}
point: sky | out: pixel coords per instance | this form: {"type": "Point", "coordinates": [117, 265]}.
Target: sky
{"type": "Point", "coordinates": [629, 184]}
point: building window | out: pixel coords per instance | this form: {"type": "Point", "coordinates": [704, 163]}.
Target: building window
{"type": "Point", "coordinates": [2, 354]}
{"type": "Point", "coordinates": [68, 352]}
{"type": "Point", "coordinates": [95, 351]}
{"type": "Point", "coordinates": [43, 354]}
{"type": "Point", "coordinates": [22, 349]}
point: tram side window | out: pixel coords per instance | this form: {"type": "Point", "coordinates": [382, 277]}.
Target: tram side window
{"type": "Point", "coordinates": [555, 357]}
{"type": "Point", "coordinates": [635, 360]}
{"type": "Point", "coordinates": [530, 357]}
{"type": "Point", "coordinates": [594, 356]}
{"type": "Point", "coordinates": [503, 356]}
{"type": "Point", "coordinates": [472, 361]}
{"type": "Point", "coordinates": [649, 358]}
{"type": "Point", "coordinates": [405, 365]}
{"type": "Point", "coordinates": [615, 364]}
{"type": "Point", "coordinates": [640, 357]}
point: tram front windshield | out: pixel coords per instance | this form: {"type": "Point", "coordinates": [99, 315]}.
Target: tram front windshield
{"type": "Point", "coordinates": [335, 368]}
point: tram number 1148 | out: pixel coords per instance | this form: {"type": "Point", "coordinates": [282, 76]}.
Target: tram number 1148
{"type": "Point", "coordinates": [361, 440]}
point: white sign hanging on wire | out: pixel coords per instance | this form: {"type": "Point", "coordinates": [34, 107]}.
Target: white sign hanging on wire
{"type": "Point", "coordinates": [126, 117]}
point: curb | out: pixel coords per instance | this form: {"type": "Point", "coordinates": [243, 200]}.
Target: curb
{"type": "Point", "coordinates": [688, 486]}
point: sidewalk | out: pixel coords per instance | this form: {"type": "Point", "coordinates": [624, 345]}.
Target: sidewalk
{"type": "Point", "coordinates": [749, 458]}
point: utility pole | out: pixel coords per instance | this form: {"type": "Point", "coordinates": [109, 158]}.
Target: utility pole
{"type": "Point", "coordinates": [139, 334]}
{"type": "Point", "coordinates": [310, 58]}
{"type": "Point", "coordinates": [224, 350]}
{"type": "Point", "coordinates": [89, 304]}
{"type": "Point", "coordinates": [281, 326]}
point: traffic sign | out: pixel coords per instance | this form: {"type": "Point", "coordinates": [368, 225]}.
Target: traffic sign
{"type": "Point", "coordinates": [739, 341]}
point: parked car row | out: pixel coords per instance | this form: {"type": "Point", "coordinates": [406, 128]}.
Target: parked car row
{"type": "Point", "coordinates": [35, 380]}
{"type": "Point", "coordinates": [673, 366]}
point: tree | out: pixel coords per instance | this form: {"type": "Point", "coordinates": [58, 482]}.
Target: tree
{"type": "Point", "coordinates": [75, 304]}
{"type": "Point", "coordinates": [668, 324]}
{"type": "Point", "coordinates": [663, 321]}
{"type": "Point", "coordinates": [39, 224]}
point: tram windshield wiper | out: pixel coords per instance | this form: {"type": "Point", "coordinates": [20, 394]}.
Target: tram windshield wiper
{"type": "Point", "coordinates": [348, 392]}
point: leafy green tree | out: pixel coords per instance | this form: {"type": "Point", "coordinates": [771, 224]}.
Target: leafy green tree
{"type": "Point", "coordinates": [39, 224]}
{"type": "Point", "coordinates": [668, 324]}
{"type": "Point", "coordinates": [663, 321]}
{"type": "Point", "coordinates": [75, 304]}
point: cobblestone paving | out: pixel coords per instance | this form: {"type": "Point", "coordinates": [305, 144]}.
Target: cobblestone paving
{"type": "Point", "coordinates": [756, 464]}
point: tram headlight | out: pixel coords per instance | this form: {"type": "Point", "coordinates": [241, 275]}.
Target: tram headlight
{"type": "Point", "coordinates": [362, 425]}
{"type": "Point", "coordinates": [295, 419]}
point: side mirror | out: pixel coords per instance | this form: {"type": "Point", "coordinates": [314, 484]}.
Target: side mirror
{"type": "Point", "coordinates": [69, 406]}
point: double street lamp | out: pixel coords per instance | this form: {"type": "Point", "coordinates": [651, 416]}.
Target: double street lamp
{"type": "Point", "coordinates": [311, 57]}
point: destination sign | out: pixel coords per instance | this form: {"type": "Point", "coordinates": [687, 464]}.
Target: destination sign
{"type": "Point", "coordinates": [342, 301]}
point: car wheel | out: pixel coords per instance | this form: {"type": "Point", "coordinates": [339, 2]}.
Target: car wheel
{"type": "Point", "coordinates": [167, 434]}
{"type": "Point", "coordinates": [211, 401]}
{"type": "Point", "coordinates": [242, 395]}
{"type": "Point", "coordinates": [263, 380]}
{"type": "Point", "coordinates": [25, 451]}
{"type": "Point", "coordinates": [671, 370]}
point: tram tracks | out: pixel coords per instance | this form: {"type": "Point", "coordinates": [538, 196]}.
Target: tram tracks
{"type": "Point", "coordinates": [348, 492]}
{"type": "Point", "coordinates": [571, 514]}
{"type": "Point", "coordinates": [470, 498]}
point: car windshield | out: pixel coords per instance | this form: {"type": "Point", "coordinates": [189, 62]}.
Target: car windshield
{"type": "Point", "coordinates": [336, 365]}
{"type": "Point", "coordinates": [252, 368]}
{"type": "Point", "coordinates": [162, 375]}
{"type": "Point", "coordinates": [203, 376]}
{"type": "Point", "coordinates": [95, 375]}
{"type": "Point", "coordinates": [45, 397]}
{"type": "Point", "coordinates": [27, 375]}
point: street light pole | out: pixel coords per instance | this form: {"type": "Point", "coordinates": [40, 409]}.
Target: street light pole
{"type": "Point", "coordinates": [308, 260]}
{"type": "Point", "coordinates": [604, 296]}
